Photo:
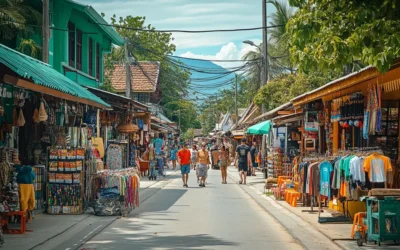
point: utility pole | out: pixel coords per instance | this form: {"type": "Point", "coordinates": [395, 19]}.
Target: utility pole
{"type": "Point", "coordinates": [264, 73]}
{"type": "Point", "coordinates": [45, 30]}
{"type": "Point", "coordinates": [236, 100]}
{"type": "Point", "coordinates": [128, 89]}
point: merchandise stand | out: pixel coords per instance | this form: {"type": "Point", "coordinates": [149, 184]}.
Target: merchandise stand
{"type": "Point", "coordinates": [65, 182]}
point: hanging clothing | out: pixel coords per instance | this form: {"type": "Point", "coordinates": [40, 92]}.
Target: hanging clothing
{"type": "Point", "coordinates": [377, 166]}
{"type": "Point", "coordinates": [114, 157]}
{"type": "Point", "coordinates": [357, 169]}
{"type": "Point", "coordinates": [325, 169]}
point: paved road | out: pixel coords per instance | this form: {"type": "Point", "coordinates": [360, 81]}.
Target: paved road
{"type": "Point", "coordinates": [216, 217]}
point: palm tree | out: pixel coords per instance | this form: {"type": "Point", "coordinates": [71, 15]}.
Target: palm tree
{"type": "Point", "coordinates": [278, 50]}
{"type": "Point", "coordinates": [17, 16]}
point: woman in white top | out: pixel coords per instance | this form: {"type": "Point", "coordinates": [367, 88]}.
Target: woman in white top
{"type": "Point", "coordinates": [194, 156]}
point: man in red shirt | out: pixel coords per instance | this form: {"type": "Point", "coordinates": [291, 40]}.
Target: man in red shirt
{"type": "Point", "coordinates": [184, 161]}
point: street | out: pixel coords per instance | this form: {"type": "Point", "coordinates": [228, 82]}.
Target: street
{"type": "Point", "coordinates": [216, 217]}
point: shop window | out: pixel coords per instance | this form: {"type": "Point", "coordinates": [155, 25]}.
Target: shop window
{"type": "Point", "coordinates": [78, 49]}
{"type": "Point", "coordinates": [142, 97]}
{"type": "Point", "coordinates": [71, 44]}
{"type": "Point", "coordinates": [388, 137]}
{"type": "Point", "coordinates": [97, 61]}
{"type": "Point", "coordinates": [90, 57]}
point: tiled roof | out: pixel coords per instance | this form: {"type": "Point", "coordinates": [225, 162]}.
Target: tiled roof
{"type": "Point", "coordinates": [144, 76]}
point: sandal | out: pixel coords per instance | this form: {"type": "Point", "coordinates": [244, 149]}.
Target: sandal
{"type": "Point", "coordinates": [240, 182]}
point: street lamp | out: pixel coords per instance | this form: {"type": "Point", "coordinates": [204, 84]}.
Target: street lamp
{"type": "Point", "coordinates": [251, 43]}
{"type": "Point", "coordinates": [264, 67]}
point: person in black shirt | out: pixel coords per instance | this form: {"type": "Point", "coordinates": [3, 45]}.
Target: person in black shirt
{"type": "Point", "coordinates": [253, 154]}
{"type": "Point", "coordinates": [242, 158]}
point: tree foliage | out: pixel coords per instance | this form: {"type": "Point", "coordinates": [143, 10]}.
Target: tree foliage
{"type": "Point", "coordinates": [278, 57]}
{"type": "Point", "coordinates": [287, 86]}
{"type": "Point", "coordinates": [154, 46]}
{"type": "Point", "coordinates": [16, 17]}
{"type": "Point", "coordinates": [189, 134]}
{"type": "Point", "coordinates": [327, 35]}
{"type": "Point", "coordinates": [224, 101]}
{"type": "Point", "coordinates": [185, 111]}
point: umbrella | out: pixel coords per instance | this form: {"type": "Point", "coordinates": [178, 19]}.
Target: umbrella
{"type": "Point", "coordinates": [261, 128]}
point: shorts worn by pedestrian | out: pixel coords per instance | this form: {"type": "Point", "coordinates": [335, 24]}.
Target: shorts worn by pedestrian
{"type": "Point", "coordinates": [185, 169]}
{"type": "Point", "coordinates": [203, 169]}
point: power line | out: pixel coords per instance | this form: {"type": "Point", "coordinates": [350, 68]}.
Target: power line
{"type": "Point", "coordinates": [154, 30]}
{"type": "Point", "coordinates": [188, 31]}
{"type": "Point", "coordinates": [215, 60]}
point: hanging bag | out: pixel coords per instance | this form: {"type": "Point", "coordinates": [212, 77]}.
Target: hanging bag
{"type": "Point", "coordinates": [97, 142]}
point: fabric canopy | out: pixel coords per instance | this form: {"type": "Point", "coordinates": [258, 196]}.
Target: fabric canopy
{"type": "Point", "coordinates": [261, 128]}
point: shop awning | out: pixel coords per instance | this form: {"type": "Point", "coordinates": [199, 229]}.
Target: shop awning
{"type": "Point", "coordinates": [272, 113]}
{"type": "Point", "coordinates": [285, 119]}
{"type": "Point", "coordinates": [261, 128]}
{"type": "Point", "coordinates": [115, 99]}
{"type": "Point", "coordinates": [41, 77]}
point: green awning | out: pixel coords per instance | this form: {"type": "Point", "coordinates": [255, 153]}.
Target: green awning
{"type": "Point", "coordinates": [44, 75]}
{"type": "Point", "coordinates": [261, 128]}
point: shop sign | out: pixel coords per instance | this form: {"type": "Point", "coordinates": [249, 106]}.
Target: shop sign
{"type": "Point", "coordinates": [311, 126]}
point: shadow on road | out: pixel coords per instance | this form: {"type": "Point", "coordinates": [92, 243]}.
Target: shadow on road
{"type": "Point", "coordinates": [155, 241]}
{"type": "Point", "coordinates": [166, 198]}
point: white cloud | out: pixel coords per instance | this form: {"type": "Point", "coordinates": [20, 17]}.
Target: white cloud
{"type": "Point", "coordinates": [228, 51]}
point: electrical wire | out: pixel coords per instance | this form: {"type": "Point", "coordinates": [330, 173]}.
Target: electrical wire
{"type": "Point", "coordinates": [215, 60]}
{"type": "Point", "coordinates": [188, 31]}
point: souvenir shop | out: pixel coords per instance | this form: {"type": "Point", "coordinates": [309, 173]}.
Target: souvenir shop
{"type": "Point", "coordinates": [50, 142]}
{"type": "Point", "coordinates": [349, 144]}
{"type": "Point", "coordinates": [283, 146]}
{"type": "Point", "coordinates": [112, 171]}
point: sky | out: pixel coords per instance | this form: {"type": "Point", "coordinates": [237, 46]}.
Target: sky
{"type": "Point", "coordinates": [196, 15]}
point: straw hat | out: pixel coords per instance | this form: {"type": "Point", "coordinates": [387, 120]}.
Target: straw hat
{"type": "Point", "coordinates": [128, 128]}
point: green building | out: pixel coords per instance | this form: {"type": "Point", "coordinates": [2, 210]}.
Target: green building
{"type": "Point", "coordinates": [79, 39]}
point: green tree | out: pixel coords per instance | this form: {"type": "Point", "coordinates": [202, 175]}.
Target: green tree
{"type": "Point", "coordinates": [278, 49]}
{"type": "Point", "coordinates": [16, 17]}
{"type": "Point", "coordinates": [287, 86]}
{"type": "Point", "coordinates": [152, 46]}
{"type": "Point", "coordinates": [330, 35]}
{"type": "Point", "coordinates": [183, 111]}
{"type": "Point", "coordinates": [189, 134]}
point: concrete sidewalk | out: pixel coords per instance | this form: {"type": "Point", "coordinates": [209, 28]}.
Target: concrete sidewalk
{"type": "Point", "coordinates": [301, 223]}
{"type": "Point", "coordinates": [50, 230]}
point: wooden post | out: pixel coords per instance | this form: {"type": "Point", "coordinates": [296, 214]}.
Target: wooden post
{"type": "Point", "coordinates": [45, 30]}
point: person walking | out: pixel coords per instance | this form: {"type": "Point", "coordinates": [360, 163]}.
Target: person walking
{"type": "Point", "coordinates": [203, 160]}
{"type": "Point", "coordinates": [253, 154]}
{"type": "Point", "coordinates": [174, 151]}
{"type": "Point", "coordinates": [223, 163]}
{"type": "Point", "coordinates": [194, 156]}
{"type": "Point", "coordinates": [242, 158]}
{"type": "Point", "coordinates": [184, 161]}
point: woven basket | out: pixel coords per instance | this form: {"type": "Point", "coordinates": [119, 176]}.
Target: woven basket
{"type": "Point", "coordinates": [128, 128]}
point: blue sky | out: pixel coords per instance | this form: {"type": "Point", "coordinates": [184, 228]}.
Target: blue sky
{"type": "Point", "coordinates": [196, 15]}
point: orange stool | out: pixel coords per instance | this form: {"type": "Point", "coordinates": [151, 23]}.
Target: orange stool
{"type": "Point", "coordinates": [288, 195]}
{"type": "Point", "coordinates": [359, 222]}
{"type": "Point", "coordinates": [295, 197]}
